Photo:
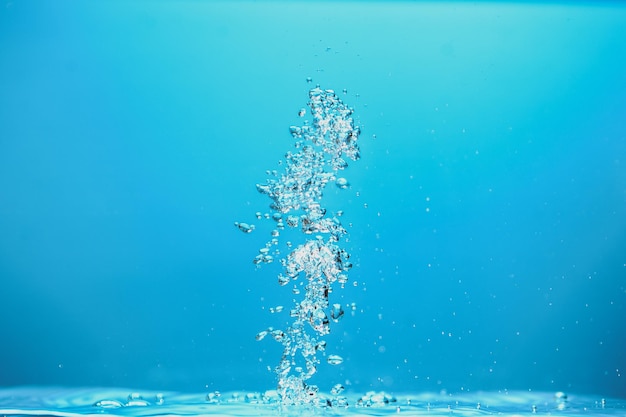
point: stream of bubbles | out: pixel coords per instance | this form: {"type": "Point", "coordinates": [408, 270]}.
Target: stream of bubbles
{"type": "Point", "coordinates": [322, 148]}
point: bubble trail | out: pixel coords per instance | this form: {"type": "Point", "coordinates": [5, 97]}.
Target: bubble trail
{"type": "Point", "coordinates": [321, 150]}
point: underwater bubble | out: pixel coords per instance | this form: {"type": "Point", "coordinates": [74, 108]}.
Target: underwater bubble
{"type": "Point", "coordinates": [301, 112]}
{"type": "Point", "coordinates": [276, 309]}
{"type": "Point", "coordinates": [213, 397]}
{"type": "Point", "coordinates": [278, 335]}
{"type": "Point", "coordinates": [334, 359]}
{"type": "Point", "coordinates": [245, 227]}
{"type": "Point", "coordinates": [263, 189]}
{"type": "Point", "coordinates": [295, 131]}
{"type": "Point", "coordinates": [337, 389]}
{"type": "Point", "coordinates": [336, 313]}
{"type": "Point", "coordinates": [342, 183]}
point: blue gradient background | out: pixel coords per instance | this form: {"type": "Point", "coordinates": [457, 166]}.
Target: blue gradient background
{"type": "Point", "coordinates": [488, 211]}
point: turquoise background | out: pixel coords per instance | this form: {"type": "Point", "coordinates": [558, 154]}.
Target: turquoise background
{"type": "Point", "coordinates": [487, 215]}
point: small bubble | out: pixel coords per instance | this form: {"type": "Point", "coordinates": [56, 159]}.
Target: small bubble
{"type": "Point", "coordinates": [334, 359]}
{"type": "Point", "coordinates": [302, 112]}
{"type": "Point", "coordinates": [342, 183]}
{"type": "Point", "coordinates": [213, 397]}
{"type": "Point", "coordinates": [336, 313]}
{"type": "Point", "coordinates": [278, 335]}
{"type": "Point", "coordinates": [337, 389]}
{"type": "Point", "coordinates": [245, 227]}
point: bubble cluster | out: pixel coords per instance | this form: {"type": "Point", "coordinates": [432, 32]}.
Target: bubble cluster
{"type": "Point", "coordinates": [322, 148]}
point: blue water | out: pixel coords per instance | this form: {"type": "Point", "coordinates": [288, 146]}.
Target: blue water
{"type": "Point", "coordinates": [486, 216]}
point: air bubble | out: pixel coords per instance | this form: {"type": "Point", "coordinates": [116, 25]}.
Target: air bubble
{"type": "Point", "coordinates": [245, 227]}
{"type": "Point", "coordinates": [276, 309]}
{"type": "Point", "coordinates": [334, 359]}
{"type": "Point", "coordinates": [342, 183]}
{"type": "Point", "coordinates": [336, 313]}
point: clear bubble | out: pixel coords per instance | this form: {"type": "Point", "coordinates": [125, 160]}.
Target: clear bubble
{"type": "Point", "coordinates": [276, 309]}
{"type": "Point", "coordinates": [334, 359]}
{"type": "Point", "coordinates": [336, 313]}
{"type": "Point", "coordinates": [245, 227]}
{"type": "Point", "coordinates": [292, 221]}
{"type": "Point", "coordinates": [337, 389]}
{"type": "Point", "coordinates": [278, 335]}
{"type": "Point", "coordinates": [342, 183]}
{"type": "Point", "coordinates": [213, 397]}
